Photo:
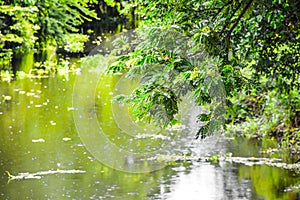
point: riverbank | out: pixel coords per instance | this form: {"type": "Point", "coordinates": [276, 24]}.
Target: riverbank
{"type": "Point", "coordinates": [271, 117]}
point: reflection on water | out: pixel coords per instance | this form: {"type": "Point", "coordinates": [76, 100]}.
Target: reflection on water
{"type": "Point", "coordinates": [38, 134]}
{"type": "Point", "coordinates": [208, 182]}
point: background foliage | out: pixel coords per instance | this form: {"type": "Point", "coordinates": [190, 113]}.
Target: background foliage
{"type": "Point", "coordinates": [31, 25]}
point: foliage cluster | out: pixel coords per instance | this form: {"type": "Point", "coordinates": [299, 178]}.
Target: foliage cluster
{"type": "Point", "coordinates": [251, 46]}
{"type": "Point", "coordinates": [169, 66]}
{"type": "Point", "coordinates": [261, 34]}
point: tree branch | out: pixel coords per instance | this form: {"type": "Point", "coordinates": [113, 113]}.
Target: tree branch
{"type": "Point", "coordinates": [240, 17]}
{"type": "Point", "coordinates": [231, 16]}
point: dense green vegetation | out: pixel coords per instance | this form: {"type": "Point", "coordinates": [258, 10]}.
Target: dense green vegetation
{"type": "Point", "coordinates": [251, 46]}
{"type": "Point", "coordinates": [240, 59]}
{"type": "Point", "coordinates": [31, 25]}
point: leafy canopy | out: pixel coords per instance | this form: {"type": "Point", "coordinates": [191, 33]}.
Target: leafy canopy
{"type": "Point", "coordinates": [263, 35]}
{"type": "Point", "coordinates": [248, 43]}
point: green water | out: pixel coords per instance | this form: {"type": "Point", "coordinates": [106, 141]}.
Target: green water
{"type": "Point", "coordinates": [49, 124]}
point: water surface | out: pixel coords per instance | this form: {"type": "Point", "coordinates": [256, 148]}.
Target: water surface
{"type": "Point", "coordinates": [38, 133]}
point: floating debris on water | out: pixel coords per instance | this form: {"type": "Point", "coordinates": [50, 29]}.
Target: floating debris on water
{"type": "Point", "coordinates": [248, 161]}
{"type": "Point", "coordinates": [38, 175]}
{"type": "Point", "coordinates": [71, 108]}
{"type": "Point", "coordinates": [66, 139]}
{"type": "Point", "coordinates": [176, 128]}
{"type": "Point", "coordinates": [152, 136]}
{"type": "Point", "coordinates": [6, 98]}
{"type": "Point", "coordinates": [38, 140]}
